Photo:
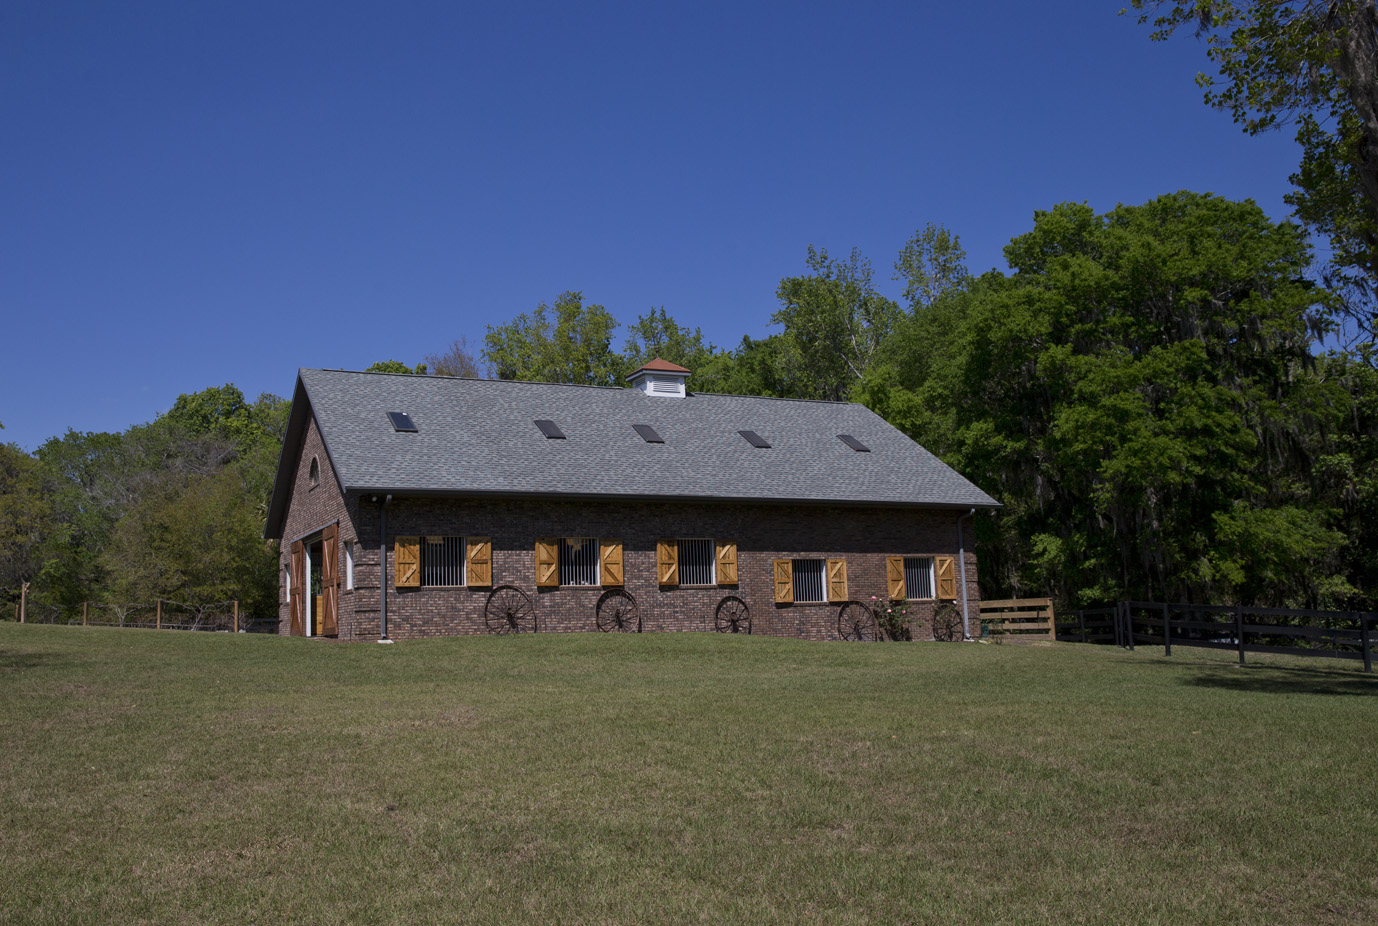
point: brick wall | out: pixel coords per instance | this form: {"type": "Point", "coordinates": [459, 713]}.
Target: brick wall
{"type": "Point", "coordinates": [763, 533]}
{"type": "Point", "coordinates": [313, 505]}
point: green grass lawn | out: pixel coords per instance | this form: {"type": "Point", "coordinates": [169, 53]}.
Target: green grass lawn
{"type": "Point", "coordinates": [212, 778]}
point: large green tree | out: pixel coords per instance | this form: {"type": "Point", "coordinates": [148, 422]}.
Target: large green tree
{"type": "Point", "coordinates": [931, 265]}
{"type": "Point", "coordinates": [25, 518]}
{"type": "Point", "coordinates": [191, 485]}
{"type": "Point", "coordinates": [1312, 64]}
{"type": "Point", "coordinates": [1139, 394]}
{"type": "Point", "coordinates": [566, 342]}
{"type": "Point", "coordinates": [834, 323]}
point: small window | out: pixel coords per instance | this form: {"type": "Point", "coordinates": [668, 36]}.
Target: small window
{"type": "Point", "coordinates": [810, 580]}
{"type": "Point", "coordinates": [349, 565]}
{"type": "Point", "coordinates": [649, 434]}
{"type": "Point", "coordinates": [696, 562]}
{"type": "Point", "coordinates": [918, 577]}
{"type": "Point", "coordinates": [755, 439]}
{"type": "Point", "coordinates": [855, 444]}
{"type": "Point", "coordinates": [442, 561]}
{"type": "Point", "coordinates": [401, 421]}
{"type": "Point", "coordinates": [313, 472]}
{"type": "Point", "coordinates": [579, 561]}
{"type": "Point", "coordinates": [550, 429]}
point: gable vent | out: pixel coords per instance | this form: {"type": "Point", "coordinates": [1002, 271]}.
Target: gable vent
{"type": "Point", "coordinates": [401, 421]}
{"type": "Point", "coordinates": [755, 439]}
{"type": "Point", "coordinates": [550, 429]}
{"type": "Point", "coordinates": [649, 434]}
{"type": "Point", "coordinates": [855, 444]}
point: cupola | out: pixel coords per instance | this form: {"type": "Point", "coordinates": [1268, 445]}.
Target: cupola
{"type": "Point", "coordinates": [660, 377]}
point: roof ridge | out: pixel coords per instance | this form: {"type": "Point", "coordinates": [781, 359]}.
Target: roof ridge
{"type": "Point", "coordinates": [471, 379]}
{"type": "Point", "coordinates": [542, 382]}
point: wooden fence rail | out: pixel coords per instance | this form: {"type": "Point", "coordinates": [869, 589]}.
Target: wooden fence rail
{"type": "Point", "coordinates": [160, 614]}
{"type": "Point", "coordinates": [1020, 618]}
{"type": "Point", "coordinates": [1293, 631]}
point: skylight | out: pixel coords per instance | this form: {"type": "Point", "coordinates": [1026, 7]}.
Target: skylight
{"type": "Point", "coordinates": [755, 439]}
{"type": "Point", "coordinates": [649, 434]}
{"type": "Point", "coordinates": [401, 421]}
{"type": "Point", "coordinates": [855, 444]}
{"type": "Point", "coordinates": [550, 429]}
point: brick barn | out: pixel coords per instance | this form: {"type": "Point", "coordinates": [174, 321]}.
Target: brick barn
{"type": "Point", "coordinates": [416, 506]}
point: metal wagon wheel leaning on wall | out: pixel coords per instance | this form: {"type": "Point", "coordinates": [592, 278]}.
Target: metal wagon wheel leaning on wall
{"type": "Point", "coordinates": [509, 610]}
{"type": "Point", "coordinates": [732, 616]}
{"type": "Point", "coordinates": [617, 611]}
{"type": "Point", "coordinates": [947, 623]}
{"type": "Point", "coordinates": [855, 621]}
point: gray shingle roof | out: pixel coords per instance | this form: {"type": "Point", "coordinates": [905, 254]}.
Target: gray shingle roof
{"type": "Point", "coordinates": [480, 437]}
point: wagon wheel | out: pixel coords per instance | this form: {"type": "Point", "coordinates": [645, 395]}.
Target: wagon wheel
{"type": "Point", "coordinates": [947, 623]}
{"type": "Point", "coordinates": [617, 611]}
{"type": "Point", "coordinates": [855, 621]}
{"type": "Point", "coordinates": [509, 610]}
{"type": "Point", "coordinates": [732, 616]}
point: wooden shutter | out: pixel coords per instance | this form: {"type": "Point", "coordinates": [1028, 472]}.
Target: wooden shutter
{"type": "Point", "coordinates": [548, 563]}
{"type": "Point", "coordinates": [784, 581]}
{"type": "Point", "coordinates": [330, 581]}
{"type": "Point", "coordinates": [727, 562]}
{"type": "Point", "coordinates": [894, 577]}
{"type": "Point", "coordinates": [406, 561]}
{"type": "Point", "coordinates": [667, 562]}
{"type": "Point", "coordinates": [837, 580]}
{"type": "Point", "coordinates": [945, 568]}
{"type": "Point", "coordinates": [294, 596]}
{"type": "Point", "coordinates": [610, 558]}
{"type": "Point", "coordinates": [478, 556]}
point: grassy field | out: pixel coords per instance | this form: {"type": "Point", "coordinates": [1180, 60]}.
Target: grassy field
{"type": "Point", "coordinates": [211, 778]}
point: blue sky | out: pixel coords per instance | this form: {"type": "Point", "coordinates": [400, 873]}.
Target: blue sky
{"type": "Point", "coordinates": [201, 193]}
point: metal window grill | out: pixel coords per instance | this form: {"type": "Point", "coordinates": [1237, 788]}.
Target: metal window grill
{"type": "Point", "coordinates": [918, 577]}
{"type": "Point", "coordinates": [579, 561]}
{"type": "Point", "coordinates": [442, 561]}
{"type": "Point", "coordinates": [810, 582]}
{"type": "Point", "coordinates": [696, 562]}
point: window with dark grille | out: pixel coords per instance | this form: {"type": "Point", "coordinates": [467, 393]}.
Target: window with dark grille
{"type": "Point", "coordinates": [810, 580]}
{"type": "Point", "coordinates": [579, 561]}
{"type": "Point", "coordinates": [696, 562]}
{"type": "Point", "coordinates": [442, 561]}
{"type": "Point", "coordinates": [918, 577]}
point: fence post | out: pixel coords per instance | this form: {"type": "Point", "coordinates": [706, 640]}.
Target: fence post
{"type": "Point", "coordinates": [85, 607]}
{"type": "Point", "coordinates": [1167, 632]}
{"type": "Point", "coordinates": [1364, 639]}
{"type": "Point", "coordinates": [1129, 626]}
{"type": "Point", "coordinates": [1239, 630]}
{"type": "Point", "coordinates": [236, 617]}
{"type": "Point", "coordinates": [23, 601]}
{"type": "Point", "coordinates": [1081, 623]}
{"type": "Point", "coordinates": [159, 625]}
{"type": "Point", "coordinates": [1052, 621]}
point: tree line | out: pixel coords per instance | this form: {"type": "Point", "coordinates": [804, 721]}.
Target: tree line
{"type": "Point", "coordinates": [1172, 400]}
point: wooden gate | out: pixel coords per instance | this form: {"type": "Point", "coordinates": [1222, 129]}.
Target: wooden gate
{"type": "Point", "coordinates": [1019, 618]}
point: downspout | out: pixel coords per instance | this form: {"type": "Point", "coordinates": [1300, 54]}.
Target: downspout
{"type": "Point", "coordinates": [383, 570]}
{"type": "Point", "coordinates": [962, 564]}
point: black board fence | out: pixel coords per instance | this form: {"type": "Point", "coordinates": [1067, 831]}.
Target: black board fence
{"type": "Point", "coordinates": [1294, 631]}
